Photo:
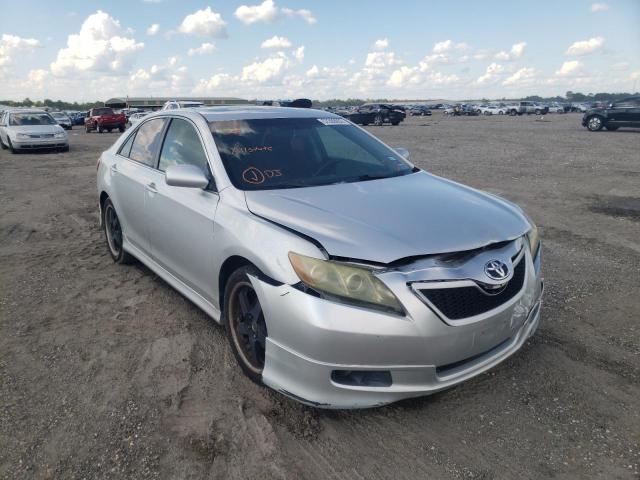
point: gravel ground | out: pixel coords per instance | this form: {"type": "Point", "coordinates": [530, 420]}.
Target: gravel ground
{"type": "Point", "coordinates": [106, 372]}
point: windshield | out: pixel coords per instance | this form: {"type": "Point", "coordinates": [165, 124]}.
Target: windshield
{"type": "Point", "coordinates": [20, 119]}
{"type": "Point", "coordinates": [300, 152]}
{"type": "Point", "coordinates": [61, 116]}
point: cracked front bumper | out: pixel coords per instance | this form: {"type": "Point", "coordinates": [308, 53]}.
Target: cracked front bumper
{"type": "Point", "coordinates": [310, 338]}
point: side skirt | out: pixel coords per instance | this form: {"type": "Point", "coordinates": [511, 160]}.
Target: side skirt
{"type": "Point", "coordinates": [201, 302]}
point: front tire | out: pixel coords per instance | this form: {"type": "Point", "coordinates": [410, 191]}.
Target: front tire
{"type": "Point", "coordinates": [113, 234]}
{"type": "Point", "coordinates": [513, 113]}
{"type": "Point", "coordinates": [100, 129]}
{"type": "Point", "coordinates": [538, 112]}
{"type": "Point", "coordinates": [121, 128]}
{"type": "Point", "coordinates": [611, 128]}
{"type": "Point", "coordinates": [11, 149]}
{"type": "Point", "coordinates": [245, 323]}
{"type": "Point", "coordinates": [595, 123]}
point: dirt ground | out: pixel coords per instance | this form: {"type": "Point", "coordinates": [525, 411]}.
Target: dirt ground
{"type": "Point", "coordinates": [107, 372]}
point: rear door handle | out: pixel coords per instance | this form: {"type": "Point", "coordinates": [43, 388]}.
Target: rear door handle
{"type": "Point", "coordinates": [152, 187]}
{"type": "Point", "coordinates": [114, 168]}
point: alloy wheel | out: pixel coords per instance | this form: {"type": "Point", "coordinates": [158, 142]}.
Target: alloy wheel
{"type": "Point", "coordinates": [248, 327]}
{"type": "Point", "coordinates": [595, 124]}
{"type": "Point", "coordinates": [113, 230]}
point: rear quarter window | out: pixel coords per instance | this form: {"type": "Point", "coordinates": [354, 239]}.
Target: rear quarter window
{"type": "Point", "coordinates": [147, 142]}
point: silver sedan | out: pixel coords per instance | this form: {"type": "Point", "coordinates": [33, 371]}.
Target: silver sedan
{"type": "Point", "coordinates": [30, 129]}
{"type": "Point", "coordinates": [345, 277]}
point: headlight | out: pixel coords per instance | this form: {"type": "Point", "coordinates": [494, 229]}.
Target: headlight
{"type": "Point", "coordinates": [356, 285]}
{"type": "Point", "coordinates": [534, 240]}
{"type": "Point", "coordinates": [22, 135]}
{"type": "Point", "coordinates": [60, 135]}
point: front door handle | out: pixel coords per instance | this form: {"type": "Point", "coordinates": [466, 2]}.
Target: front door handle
{"type": "Point", "coordinates": [152, 187]}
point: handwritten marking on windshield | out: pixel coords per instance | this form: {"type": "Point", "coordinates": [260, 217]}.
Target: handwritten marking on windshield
{"type": "Point", "coordinates": [256, 176]}
{"type": "Point", "coordinates": [238, 150]}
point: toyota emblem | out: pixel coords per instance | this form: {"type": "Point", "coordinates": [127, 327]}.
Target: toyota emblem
{"type": "Point", "coordinates": [496, 270]}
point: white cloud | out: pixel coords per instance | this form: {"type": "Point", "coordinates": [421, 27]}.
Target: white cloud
{"type": "Point", "coordinates": [303, 13]}
{"type": "Point", "coordinates": [313, 72]}
{"type": "Point", "coordinates": [269, 69]}
{"type": "Point", "coordinates": [170, 78]}
{"type": "Point", "coordinates": [99, 46]}
{"type": "Point", "coordinates": [620, 66]}
{"type": "Point", "coordinates": [448, 45]}
{"type": "Point", "coordinates": [516, 52]}
{"type": "Point", "coordinates": [570, 68]}
{"type": "Point", "coordinates": [521, 77]}
{"type": "Point", "coordinates": [204, 23]}
{"type": "Point", "coordinates": [276, 42]}
{"type": "Point", "coordinates": [381, 44]}
{"type": "Point", "coordinates": [12, 44]}
{"type": "Point", "coordinates": [381, 60]}
{"type": "Point", "coordinates": [298, 53]}
{"type": "Point", "coordinates": [404, 76]}
{"type": "Point", "coordinates": [153, 29]}
{"type": "Point", "coordinates": [599, 7]}
{"type": "Point", "coordinates": [215, 83]}
{"type": "Point", "coordinates": [267, 12]}
{"type": "Point", "coordinates": [203, 49]}
{"type": "Point", "coordinates": [492, 74]}
{"type": "Point", "coordinates": [585, 47]}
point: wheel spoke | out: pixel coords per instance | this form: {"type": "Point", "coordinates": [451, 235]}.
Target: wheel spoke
{"type": "Point", "coordinates": [243, 299]}
{"type": "Point", "coordinates": [243, 329]}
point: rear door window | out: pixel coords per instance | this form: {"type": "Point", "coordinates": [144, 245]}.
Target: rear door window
{"type": "Point", "coordinates": [147, 142]}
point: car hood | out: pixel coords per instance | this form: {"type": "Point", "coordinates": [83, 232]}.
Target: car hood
{"type": "Point", "coordinates": [389, 219]}
{"type": "Point", "coordinates": [34, 129]}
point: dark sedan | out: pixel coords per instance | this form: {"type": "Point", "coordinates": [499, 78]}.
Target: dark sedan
{"type": "Point", "coordinates": [420, 111]}
{"type": "Point", "coordinates": [376, 114]}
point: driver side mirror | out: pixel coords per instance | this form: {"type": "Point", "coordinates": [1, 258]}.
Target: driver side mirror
{"type": "Point", "coordinates": [403, 152]}
{"type": "Point", "coordinates": [188, 176]}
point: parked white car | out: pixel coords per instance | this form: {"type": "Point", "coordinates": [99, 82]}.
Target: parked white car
{"type": "Point", "coordinates": [135, 118]}
{"type": "Point", "coordinates": [176, 104]}
{"type": "Point", "coordinates": [30, 129]}
{"type": "Point", "coordinates": [493, 110]}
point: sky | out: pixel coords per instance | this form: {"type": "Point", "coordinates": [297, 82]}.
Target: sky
{"type": "Point", "coordinates": [277, 49]}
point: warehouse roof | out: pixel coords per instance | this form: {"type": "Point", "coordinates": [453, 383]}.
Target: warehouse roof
{"type": "Point", "coordinates": [121, 102]}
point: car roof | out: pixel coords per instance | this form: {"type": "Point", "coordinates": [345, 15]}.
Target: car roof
{"type": "Point", "coordinates": [26, 110]}
{"type": "Point", "coordinates": [250, 112]}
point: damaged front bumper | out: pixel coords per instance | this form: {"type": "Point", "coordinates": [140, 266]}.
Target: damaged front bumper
{"type": "Point", "coordinates": [332, 355]}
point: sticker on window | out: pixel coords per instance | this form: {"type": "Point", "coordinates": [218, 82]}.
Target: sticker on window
{"type": "Point", "coordinates": [333, 121]}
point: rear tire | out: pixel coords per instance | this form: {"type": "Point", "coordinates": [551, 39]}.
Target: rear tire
{"type": "Point", "coordinates": [245, 323]}
{"type": "Point", "coordinates": [513, 113]}
{"type": "Point", "coordinates": [121, 128]}
{"type": "Point", "coordinates": [113, 234]}
{"type": "Point", "coordinates": [87, 129]}
{"type": "Point", "coordinates": [611, 129]}
{"type": "Point", "coordinates": [378, 121]}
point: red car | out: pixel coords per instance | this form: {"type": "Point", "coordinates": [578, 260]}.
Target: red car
{"type": "Point", "coordinates": [104, 118]}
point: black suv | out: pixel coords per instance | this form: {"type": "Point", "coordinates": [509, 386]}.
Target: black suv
{"type": "Point", "coordinates": [625, 113]}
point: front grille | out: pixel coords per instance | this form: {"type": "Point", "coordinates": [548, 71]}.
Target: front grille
{"type": "Point", "coordinates": [464, 302]}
